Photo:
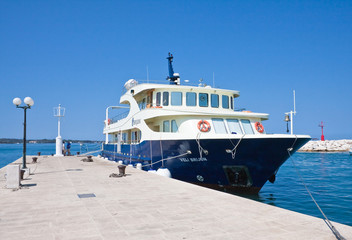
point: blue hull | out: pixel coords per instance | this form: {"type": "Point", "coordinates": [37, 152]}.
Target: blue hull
{"type": "Point", "coordinates": [245, 169]}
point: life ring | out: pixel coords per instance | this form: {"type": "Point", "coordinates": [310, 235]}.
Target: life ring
{"type": "Point", "coordinates": [203, 126]}
{"type": "Point", "coordinates": [109, 121]}
{"type": "Point", "coordinates": [259, 127]}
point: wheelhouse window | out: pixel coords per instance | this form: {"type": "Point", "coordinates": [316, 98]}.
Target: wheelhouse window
{"type": "Point", "coordinates": [191, 99]}
{"type": "Point", "coordinates": [174, 127]}
{"type": "Point", "coordinates": [246, 124]}
{"type": "Point", "coordinates": [203, 100]}
{"type": "Point", "coordinates": [176, 98]}
{"type": "Point", "coordinates": [234, 126]}
{"type": "Point", "coordinates": [158, 97]}
{"type": "Point", "coordinates": [165, 98]}
{"type": "Point", "coordinates": [214, 100]}
{"type": "Point", "coordinates": [225, 101]}
{"type": "Point", "coordinates": [219, 125]}
{"type": "Point", "coordinates": [166, 126]}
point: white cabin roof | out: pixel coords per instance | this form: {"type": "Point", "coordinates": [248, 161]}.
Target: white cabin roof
{"type": "Point", "coordinates": [208, 89]}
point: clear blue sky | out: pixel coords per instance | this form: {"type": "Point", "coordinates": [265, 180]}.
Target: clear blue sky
{"type": "Point", "coordinates": [80, 53]}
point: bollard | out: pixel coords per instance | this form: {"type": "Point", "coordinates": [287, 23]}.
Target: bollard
{"type": "Point", "coordinates": [39, 153]}
{"type": "Point", "coordinates": [122, 169]}
{"type": "Point", "coordinates": [22, 173]}
{"type": "Point", "coordinates": [78, 153]}
{"type": "Point", "coordinates": [34, 159]}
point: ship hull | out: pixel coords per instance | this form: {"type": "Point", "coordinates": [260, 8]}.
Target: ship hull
{"type": "Point", "coordinates": [230, 165]}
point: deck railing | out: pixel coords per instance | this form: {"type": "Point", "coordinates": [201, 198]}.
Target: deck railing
{"type": "Point", "coordinates": [142, 81]}
{"type": "Point", "coordinates": [118, 117]}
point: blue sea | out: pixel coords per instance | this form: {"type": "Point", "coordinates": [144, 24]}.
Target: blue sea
{"type": "Point", "coordinates": [12, 152]}
{"type": "Point", "coordinates": [327, 175]}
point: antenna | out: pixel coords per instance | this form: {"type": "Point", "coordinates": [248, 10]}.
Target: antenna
{"type": "Point", "coordinates": [213, 80]}
{"type": "Point", "coordinates": [294, 102]}
{"type": "Point", "coordinates": [147, 74]}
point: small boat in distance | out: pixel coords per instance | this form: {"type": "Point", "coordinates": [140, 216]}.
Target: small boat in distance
{"type": "Point", "coordinates": [194, 134]}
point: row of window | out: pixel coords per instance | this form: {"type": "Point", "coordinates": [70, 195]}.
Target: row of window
{"type": "Point", "coordinates": [128, 137]}
{"type": "Point", "coordinates": [234, 126]}
{"type": "Point", "coordinates": [221, 126]}
{"type": "Point", "coordinates": [203, 99]}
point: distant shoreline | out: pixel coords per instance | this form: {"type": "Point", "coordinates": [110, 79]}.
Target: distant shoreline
{"type": "Point", "coordinates": [35, 141]}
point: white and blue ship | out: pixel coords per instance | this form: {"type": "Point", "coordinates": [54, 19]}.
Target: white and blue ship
{"type": "Point", "coordinates": [196, 134]}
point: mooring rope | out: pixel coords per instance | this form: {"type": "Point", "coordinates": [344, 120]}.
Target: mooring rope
{"type": "Point", "coordinates": [200, 148]}
{"type": "Point", "coordinates": [234, 150]}
{"type": "Point", "coordinates": [326, 220]}
{"type": "Point", "coordinates": [169, 158]}
{"type": "Point", "coordinates": [83, 154]}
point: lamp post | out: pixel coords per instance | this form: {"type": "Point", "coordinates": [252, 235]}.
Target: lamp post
{"type": "Point", "coordinates": [29, 103]}
{"type": "Point", "coordinates": [59, 112]}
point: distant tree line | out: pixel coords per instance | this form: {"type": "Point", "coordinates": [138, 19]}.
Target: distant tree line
{"type": "Point", "coordinates": [15, 140]}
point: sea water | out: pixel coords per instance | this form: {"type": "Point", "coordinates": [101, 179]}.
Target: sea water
{"type": "Point", "coordinates": [328, 177]}
{"type": "Point", "coordinates": [12, 152]}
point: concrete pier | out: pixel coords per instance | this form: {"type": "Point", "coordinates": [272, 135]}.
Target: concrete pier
{"type": "Point", "coordinates": [67, 198]}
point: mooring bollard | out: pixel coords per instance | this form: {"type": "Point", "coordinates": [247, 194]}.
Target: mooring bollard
{"type": "Point", "coordinates": [78, 153]}
{"type": "Point", "coordinates": [22, 173]}
{"type": "Point", "coordinates": [34, 159]}
{"type": "Point", "coordinates": [39, 153]}
{"type": "Point", "coordinates": [122, 169]}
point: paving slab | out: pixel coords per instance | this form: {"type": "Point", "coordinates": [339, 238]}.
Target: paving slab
{"type": "Point", "coordinates": [140, 205]}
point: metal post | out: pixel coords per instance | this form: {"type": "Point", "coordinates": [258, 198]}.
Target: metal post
{"type": "Point", "coordinates": [291, 123]}
{"type": "Point", "coordinates": [58, 128]}
{"type": "Point", "coordinates": [106, 124]}
{"type": "Point", "coordinates": [292, 112]}
{"type": "Point", "coordinates": [24, 138]}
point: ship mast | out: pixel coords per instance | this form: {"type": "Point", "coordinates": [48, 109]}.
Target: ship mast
{"type": "Point", "coordinates": [174, 78]}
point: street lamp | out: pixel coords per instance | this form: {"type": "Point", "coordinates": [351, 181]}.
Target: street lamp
{"type": "Point", "coordinates": [29, 103]}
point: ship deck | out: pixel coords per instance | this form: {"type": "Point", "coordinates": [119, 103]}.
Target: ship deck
{"type": "Point", "coordinates": [139, 206]}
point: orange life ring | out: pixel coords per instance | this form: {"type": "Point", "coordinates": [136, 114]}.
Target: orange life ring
{"type": "Point", "coordinates": [109, 121]}
{"type": "Point", "coordinates": [203, 126]}
{"type": "Point", "coordinates": [259, 127]}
